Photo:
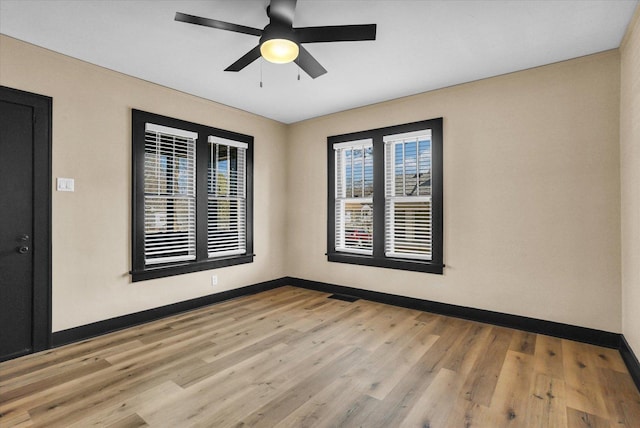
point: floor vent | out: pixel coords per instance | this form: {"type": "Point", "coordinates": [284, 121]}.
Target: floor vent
{"type": "Point", "coordinates": [344, 297]}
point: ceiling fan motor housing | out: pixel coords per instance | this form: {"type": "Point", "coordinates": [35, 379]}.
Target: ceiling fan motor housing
{"type": "Point", "coordinates": [279, 43]}
{"type": "Point", "coordinates": [277, 30]}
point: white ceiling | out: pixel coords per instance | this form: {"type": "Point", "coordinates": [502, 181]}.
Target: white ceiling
{"type": "Point", "coordinates": [420, 46]}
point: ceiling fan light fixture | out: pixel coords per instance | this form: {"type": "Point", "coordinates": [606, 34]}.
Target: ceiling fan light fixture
{"type": "Point", "coordinates": [279, 51]}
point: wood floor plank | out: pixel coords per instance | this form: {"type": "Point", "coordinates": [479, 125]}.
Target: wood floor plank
{"type": "Point", "coordinates": [211, 393]}
{"type": "Point", "coordinates": [63, 409]}
{"type": "Point", "coordinates": [580, 419]}
{"type": "Point", "coordinates": [131, 421]}
{"type": "Point", "coordinates": [281, 406]}
{"type": "Point", "coordinates": [469, 414]}
{"type": "Point", "coordinates": [234, 358]}
{"type": "Point", "coordinates": [17, 380]}
{"type": "Point", "coordinates": [63, 354]}
{"type": "Point", "coordinates": [123, 411]}
{"type": "Point", "coordinates": [390, 367]}
{"type": "Point", "coordinates": [523, 341]}
{"type": "Point", "coordinates": [479, 388]}
{"type": "Point", "coordinates": [345, 325]}
{"type": "Point", "coordinates": [388, 327]}
{"type": "Point", "coordinates": [62, 376]}
{"type": "Point", "coordinates": [291, 357]}
{"type": "Point", "coordinates": [618, 393]}
{"type": "Point", "coordinates": [266, 386]}
{"type": "Point", "coordinates": [579, 362]}
{"type": "Point", "coordinates": [397, 404]}
{"type": "Point", "coordinates": [510, 398]}
{"type": "Point", "coordinates": [432, 409]}
{"type": "Point", "coordinates": [547, 406]}
{"type": "Point", "coordinates": [241, 390]}
{"type": "Point", "coordinates": [609, 359]}
{"type": "Point", "coordinates": [584, 392]}
{"type": "Point", "coordinates": [335, 401]}
{"type": "Point", "coordinates": [473, 347]}
{"type": "Point", "coordinates": [16, 419]}
{"type": "Point", "coordinates": [548, 356]}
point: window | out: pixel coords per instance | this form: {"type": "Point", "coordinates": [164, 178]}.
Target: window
{"type": "Point", "coordinates": [226, 197]}
{"type": "Point", "coordinates": [385, 197]}
{"type": "Point", "coordinates": [192, 197]}
{"type": "Point", "coordinates": [407, 181]}
{"type": "Point", "coordinates": [354, 197]}
{"type": "Point", "coordinates": [169, 195]}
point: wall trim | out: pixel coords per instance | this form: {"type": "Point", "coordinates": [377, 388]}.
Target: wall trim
{"type": "Point", "coordinates": [98, 328]}
{"type": "Point", "coordinates": [630, 360]}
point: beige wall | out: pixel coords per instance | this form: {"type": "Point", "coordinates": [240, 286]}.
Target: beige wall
{"type": "Point", "coordinates": [531, 189]}
{"type": "Point", "coordinates": [92, 144]}
{"type": "Point", "coordinates": [630, 181]}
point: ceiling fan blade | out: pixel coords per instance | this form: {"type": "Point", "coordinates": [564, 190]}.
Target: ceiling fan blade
{"type": "Point", "coordinates": [336, 33]}
{"type": "Point", "coordinates": [246, 59]}
{"type": "Point", "coordinates": [309, 64]}
{"type": "Point", "coordinates": [214, 23]}
{"type": "Point", "coordinates": [283, 10]}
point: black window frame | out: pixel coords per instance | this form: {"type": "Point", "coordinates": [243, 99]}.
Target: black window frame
{"type": "Point", "coordinates": [139, 271]}
{"type": "Point", "coordinates": [378, 258]}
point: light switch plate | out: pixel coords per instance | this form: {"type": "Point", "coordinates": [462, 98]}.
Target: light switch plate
{"type": "Point", "coordinates": [65, 184]}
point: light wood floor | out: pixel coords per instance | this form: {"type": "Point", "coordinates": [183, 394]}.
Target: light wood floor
{"type": "Point", "coordinates": [291, 357]}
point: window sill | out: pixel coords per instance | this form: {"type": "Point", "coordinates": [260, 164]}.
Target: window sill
{"type": "Point", "coordinates": [161, 271]}
{"type": "Point", "coordinates": [389, 263]}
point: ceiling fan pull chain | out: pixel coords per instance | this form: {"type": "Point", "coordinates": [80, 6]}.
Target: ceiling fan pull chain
{"type": "Point", "coordinates": [298, 71]}
{"type": "Point", "coordinates": [261, 73]}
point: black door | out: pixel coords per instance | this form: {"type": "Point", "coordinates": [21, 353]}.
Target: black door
{"type": "Point", "coordinates": [25, 248]}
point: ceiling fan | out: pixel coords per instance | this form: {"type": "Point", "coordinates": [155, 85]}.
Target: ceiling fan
{"type": "Point", "coordinates": [280, 42]}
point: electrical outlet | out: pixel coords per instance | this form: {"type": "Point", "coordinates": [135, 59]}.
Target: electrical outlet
{"type": "Point", "coordinates": [214, 280]}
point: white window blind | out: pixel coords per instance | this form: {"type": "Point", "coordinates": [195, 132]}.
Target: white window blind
{"type": "Point", "coordinates": [226, 188]}
{"type": "Point", "coordinates": [169, 194]}
{"type": "Point", "coordinates": [408, 224]}
{"type": "Point", "coordinates": [354, 196]}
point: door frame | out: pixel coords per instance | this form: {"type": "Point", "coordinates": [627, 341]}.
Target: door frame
{"type": "Point", "coordinates": [41, 279]}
